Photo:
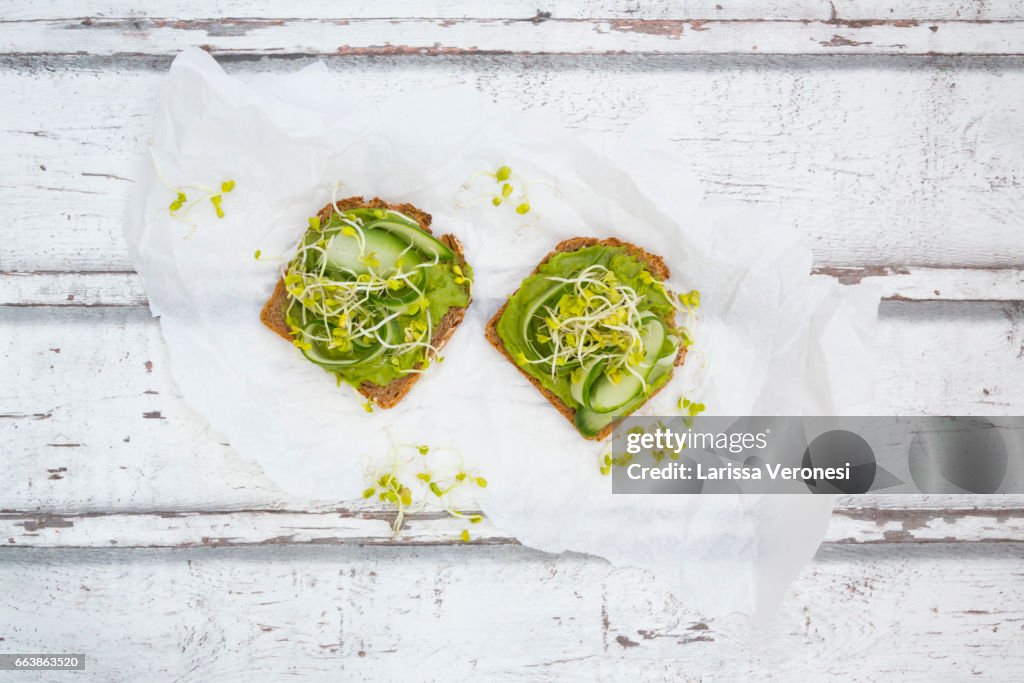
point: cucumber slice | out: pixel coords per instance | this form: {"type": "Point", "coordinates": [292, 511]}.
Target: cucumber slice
{"type": "Point", "coordinates": [421, 241]}
{"type": "Point", "coordinates": [579, 389]}
{"type": "Point", "coordinates": [534, 308]}
{"type": "Point", "coordinates": [333, 358]}
{"type": "Point", "coordinates": [664, 363]}
{"type": "Point", "coordinates": [606, 396]}
{"type": "Point", "coordinates": [342, 253]}
{"type": "Point", "coordinates": [589, 423]}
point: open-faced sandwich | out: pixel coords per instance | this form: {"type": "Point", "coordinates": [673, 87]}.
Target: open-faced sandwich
{"type": "Point", "coordinates": [371, 295]}
{"type": "Point", "coordinates": [594, 329]}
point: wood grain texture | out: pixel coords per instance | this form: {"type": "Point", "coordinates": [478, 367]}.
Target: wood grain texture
{"type": "Point", "coordinates": [793, 10]}
{"type": "Point", "coordinates": [897, 283]}
{"type": "Point", "coordinates": [507, 613]}
{"type": "Point", "coordinates": [539, 32]}
{"type": "Point", "coordinates": [365, 525]}
{"type": "Point", "coordinates": [89, 390]}
{"type": "Point", "coordinates": [881, 163]}
{"type": "Point", "coordinates": [889, 133]}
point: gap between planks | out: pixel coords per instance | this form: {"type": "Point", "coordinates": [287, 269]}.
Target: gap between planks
{"type": "Point", "coordinates": [268, 527]}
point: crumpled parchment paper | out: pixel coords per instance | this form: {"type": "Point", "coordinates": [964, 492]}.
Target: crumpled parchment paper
{"type": "Point", "coordinates": [773, 339]}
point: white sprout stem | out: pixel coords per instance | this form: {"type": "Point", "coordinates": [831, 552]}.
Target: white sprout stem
{"type": "Point", "coordinates": [159, 173]}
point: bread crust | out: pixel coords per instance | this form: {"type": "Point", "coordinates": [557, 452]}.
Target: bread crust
{"type": "Point", "coordinates": [274, 310]}
{"type": "Point", "coordinates": [658, 269]}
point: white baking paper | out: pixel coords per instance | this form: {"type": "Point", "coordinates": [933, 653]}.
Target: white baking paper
{"type": "Point", "coordinates": [773, 339]}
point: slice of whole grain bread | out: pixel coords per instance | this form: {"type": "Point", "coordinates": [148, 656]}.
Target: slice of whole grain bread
{"type": "Point", "coordinates": [388, 396]}
{"type": "Point", "coordinates": [658, 269]}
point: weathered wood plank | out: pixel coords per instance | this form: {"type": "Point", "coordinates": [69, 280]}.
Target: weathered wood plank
{"type": "Point", "coordinates": [919, 168]}
{"type": "Point", "coordinates": [237, 528]}
{"type": "Point", "coordinates": [372, 526]}
{"type": "Point", "coordinates": [91, 420]}
{"type": "Point", "coordinates": [879, 163]}
{"type": "Point", "coordinates": [533, 33]}
{"type": "Point", "coordinates": [913, 283]}
{"type": "Point", "coordinates": [863, 613]}
{"type": "Point", "coordinates": [840, 10]}
{"type": "Point", "coordinates": [90, 289]}
{"type": "Point", "coordinates": [72, 289]}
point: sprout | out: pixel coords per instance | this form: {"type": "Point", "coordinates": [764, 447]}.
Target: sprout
{"type": "Point", "coordinates": [181, 200]}
{"type": "Point", "coordinates": [178, 202]}
{"type": "Point", "coordinates": [409, 482]}
{"type": "Point", "coordinates": [597, 319]}
{"type": "Point", "coordinates": [512, 189]}
{"type": "Point", "coordinates": [691, 299]}
{"type": "Point", "coordinates": [215, 200]}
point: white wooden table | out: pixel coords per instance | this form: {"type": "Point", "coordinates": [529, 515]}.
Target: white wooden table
{"type": "Point", "coordinates": [891, 133]}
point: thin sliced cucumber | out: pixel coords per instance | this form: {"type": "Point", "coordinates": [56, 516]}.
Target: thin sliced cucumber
{"type": "Point", "coordinates": [421, 240]}
{"type": "Point", "coordinates": [589, 423]}
{"type": "Point", "coordinates": [606, 396]}
{"type": "Point", "coordinates": [534, 309]}
{"type": "Point", "coordinates": [586, 377]}
{"type": "Point", "coordinates": [671, 344]}
{"type": "Point", "coordinates": [343, 254]}
{"type": "Point", "coordinates": [332, 358]}
{"type": "Point", "coordinates": [664, 363]}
